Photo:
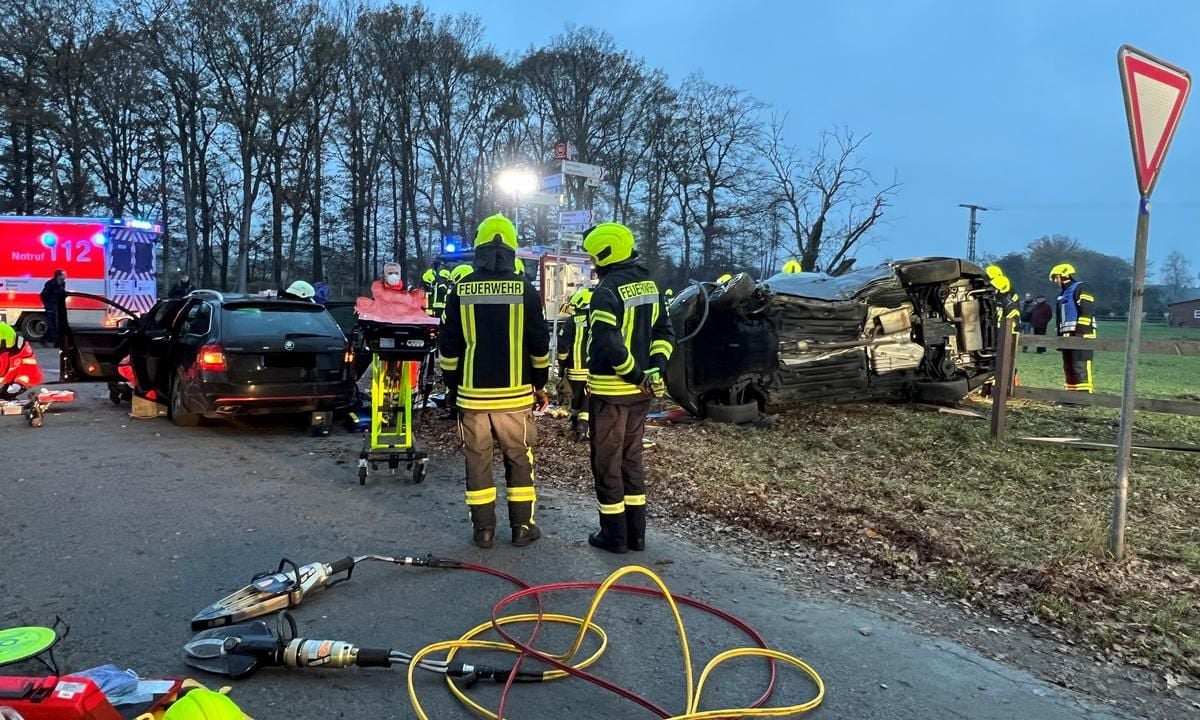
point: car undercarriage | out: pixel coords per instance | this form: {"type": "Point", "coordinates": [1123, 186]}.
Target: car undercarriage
{"type": "Point", "coordinates": [919, 330]}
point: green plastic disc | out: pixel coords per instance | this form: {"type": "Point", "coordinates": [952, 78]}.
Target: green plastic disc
{"type": "Point", "coordinates": [17, 644]}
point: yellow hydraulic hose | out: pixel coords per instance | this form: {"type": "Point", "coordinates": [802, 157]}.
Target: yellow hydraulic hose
{"type": "Point", "coordinates": [586, 625]}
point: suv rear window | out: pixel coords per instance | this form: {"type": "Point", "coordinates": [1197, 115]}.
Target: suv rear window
{"type": "Point", "coordinates": [254, 320]}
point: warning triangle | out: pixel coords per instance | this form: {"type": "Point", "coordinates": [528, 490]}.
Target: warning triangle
{"type": "Point", "coordinates": [1155, 93]}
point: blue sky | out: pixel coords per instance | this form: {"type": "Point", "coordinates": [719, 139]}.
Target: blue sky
{"type": "Point", "coordinates": [1014, 104]}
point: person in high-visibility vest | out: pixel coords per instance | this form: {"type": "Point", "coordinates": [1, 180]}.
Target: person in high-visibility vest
{"type": "Point", "coordinates": [630, 344]}
{"type": "Point", "coordinates": [572, 358]}
{"type": "Point", "coordinates": [1076, 317]}
{"type": "Point", "coordinates": [495, 353]}
{"type": "Point", "coordinates": [791, 267]}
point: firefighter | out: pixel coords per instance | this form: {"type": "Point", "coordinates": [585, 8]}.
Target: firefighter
{"type": "Point", "coordinates": [437, 289]}
{"type": "Point", "coordinates": [572, 358]}
{"type": "Point", "coordinates": [1008, 306]}
{"type": "Point", "coordinates": [724, 279]}
{"type": "Point", "coordinates": [18, 365]}
{"type": "Point", "coordinates": [631, 341]}
{"type": "Point", "coordinates": [495, 352]}
{"type": "Point", "coordinates": [791, 267]}
{"type": "Point", "coordinates": [1076, 317]}
{"type": "Point", "coordinates": [429, 280]}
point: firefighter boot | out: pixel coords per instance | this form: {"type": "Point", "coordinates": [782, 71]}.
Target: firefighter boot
{"type": "Point", "coordinates": [613, 535]}
{"type": "Point", "coordinates": [520, 516]}
{"type": "Point", "coordinates": [483, 519]}
{"type": "Point", "coordinates": [635, 520]}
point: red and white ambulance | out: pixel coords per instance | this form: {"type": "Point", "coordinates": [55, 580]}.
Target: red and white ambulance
{"type": "Point", "coordinates": [110, 257]}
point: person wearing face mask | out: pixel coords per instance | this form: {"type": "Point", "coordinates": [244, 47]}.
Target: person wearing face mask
{"type": "Point", "coordinates": [390, 302]}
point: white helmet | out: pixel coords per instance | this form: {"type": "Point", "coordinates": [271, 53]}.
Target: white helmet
{"type": "Point", "coordinates": [301, 289]}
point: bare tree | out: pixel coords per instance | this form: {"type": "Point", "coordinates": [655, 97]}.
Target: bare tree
{"type": "Point", "coordinates": [830, 201]}
{"type": "Point", "coordinates": [585, 85]}
{"type": "Point", "coordinates": [248, 46]}
{"type": "Point", "coordinates": [1176, 275]}
{"type": "Point", "coordinates": [717, 169]}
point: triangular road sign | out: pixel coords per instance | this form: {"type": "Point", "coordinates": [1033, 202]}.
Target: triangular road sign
{"type": "Point", "coordinates": [1155, 93]}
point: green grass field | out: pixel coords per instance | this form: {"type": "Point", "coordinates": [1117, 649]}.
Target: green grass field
{"type": "Point", "coordinates": [1159, 376]}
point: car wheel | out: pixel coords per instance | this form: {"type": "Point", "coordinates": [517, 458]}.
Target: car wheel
{"type": "Point", "coordinates": [33, 326]}
{"type": "Point", "coordinates": [180, 415]}
{"type": "Point", "coordinates": [732, 414]}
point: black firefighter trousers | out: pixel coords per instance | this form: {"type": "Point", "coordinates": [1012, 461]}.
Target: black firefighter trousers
{"type": "Point", "coordinates": [515, 433]}
{"type": "Point", "coordinates": [1077, 370]}
{"type": "Point", "coordinates": [617, 427]}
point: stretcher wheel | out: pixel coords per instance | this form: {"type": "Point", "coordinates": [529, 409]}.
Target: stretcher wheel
{"type": "Point", "coordinates": [418, 473]}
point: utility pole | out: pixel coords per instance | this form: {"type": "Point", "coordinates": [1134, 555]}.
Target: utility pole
{"type": "Point", "coordinates": [972, 226]}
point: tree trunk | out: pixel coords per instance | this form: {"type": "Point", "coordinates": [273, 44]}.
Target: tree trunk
{"type": "Point", "coordinates": [247, 210]}
{"type": "Point", "coordinates": [277, 217]}
{"type": "Point", "coordinates": [318, 265]}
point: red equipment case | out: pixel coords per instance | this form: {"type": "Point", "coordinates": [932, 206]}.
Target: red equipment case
{"type": "Point", "coordinates": [55, 698]}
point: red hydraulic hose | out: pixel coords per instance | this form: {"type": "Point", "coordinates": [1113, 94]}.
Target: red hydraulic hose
{"type": "Point", "coordinates": [527, 649]}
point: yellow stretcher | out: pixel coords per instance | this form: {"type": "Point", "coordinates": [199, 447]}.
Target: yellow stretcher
{"type": "Point", "coordinates": [401, 358]}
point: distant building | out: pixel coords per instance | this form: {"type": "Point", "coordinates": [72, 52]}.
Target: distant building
{"type": "Point", "coordinates": [1185, 314]}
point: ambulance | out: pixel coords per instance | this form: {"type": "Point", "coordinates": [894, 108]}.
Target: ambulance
{"type": "Point", "coordinates": [110, 257]}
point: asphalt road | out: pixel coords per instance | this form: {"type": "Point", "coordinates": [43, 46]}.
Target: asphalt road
{"type": "Point", "coordinates": [127, 527]}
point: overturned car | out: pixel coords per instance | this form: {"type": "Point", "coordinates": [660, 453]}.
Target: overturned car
{"type": "Point", "coordinates": [913, 330]}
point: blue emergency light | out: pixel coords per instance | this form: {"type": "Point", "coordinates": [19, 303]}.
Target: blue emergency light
{"type": "Point", "coordinates": [451, 243]}
{"type": "Point", "coordinates": [49, 238]}
{"type": "Point", "coordinates": [99, 239]}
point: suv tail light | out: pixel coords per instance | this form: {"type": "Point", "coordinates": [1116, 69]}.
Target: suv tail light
{"type": "Point", "coordinates": [211, 358]}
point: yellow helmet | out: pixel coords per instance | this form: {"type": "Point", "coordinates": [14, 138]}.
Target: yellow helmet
{"type": "Point", "coordinates": [791, 267]}
{"type": "Point", "coordinates": [1063, 270]}
{"type": "Point", "coordinates": [428, 276]}
{"type": "Point", "coordinates": [461, 271]}
{"type": "Point", "coordinates": [669, 293]}
{"type": "Point", "coordinates": [993, 272]}
{"type": "Point", "coordinates": [444, 272]}
{"type": "Point", "coordinates": [609, 243]}
{"type": "Point", "coordinates": [582, 298]}
{"type": "Point", "coordinates": [497, 226]}
{"type": "Point", "coordinates": [203, 704]}
{"type": "Point", "coordinates": [724, 278]}
{"type": "Point", "coordinates": [1002, 284]}
{"type": "Point", "coordinates": [8, 336]}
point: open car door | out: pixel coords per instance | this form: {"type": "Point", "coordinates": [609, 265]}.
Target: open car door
{"type": "Point", "coordinates": [93, 354]}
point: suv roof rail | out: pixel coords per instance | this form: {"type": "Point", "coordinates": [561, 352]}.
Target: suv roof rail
{"type": "Point", "coordinates": [208, 293]}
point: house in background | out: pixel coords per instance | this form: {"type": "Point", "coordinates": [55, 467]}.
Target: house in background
{"type": "Point", "coordinates": [1185, 314]}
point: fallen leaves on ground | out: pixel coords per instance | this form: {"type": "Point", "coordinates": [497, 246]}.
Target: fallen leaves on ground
{"type": "Point", "coordinates": [923, 498]}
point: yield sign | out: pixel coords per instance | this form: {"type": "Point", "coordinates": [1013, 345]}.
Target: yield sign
{"type": "Point", "coordinates": [1155, 93]}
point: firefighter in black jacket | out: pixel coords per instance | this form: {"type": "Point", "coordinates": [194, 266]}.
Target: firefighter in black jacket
{"type": "Point", "coordinates": [572, 358]}
{"type": "Point", "coordinates": [1076, 317]}
{"type": "Point", "coordinates": [631, 341]}
{"type": "Point", "coordinates": [437, 289]}
{"type": "Point", "coordinates": [495, 355]}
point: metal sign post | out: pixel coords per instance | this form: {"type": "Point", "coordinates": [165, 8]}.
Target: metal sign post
{"type": "Point", "coordinates": [1155, 94]}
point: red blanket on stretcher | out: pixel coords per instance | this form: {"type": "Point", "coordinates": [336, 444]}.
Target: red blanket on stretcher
{"type": "Point", "coordinates": [394, 304]}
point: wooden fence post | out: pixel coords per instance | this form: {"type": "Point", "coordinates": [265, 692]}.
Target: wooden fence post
{"type": "Point", "coordinates": [1002, 385]}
